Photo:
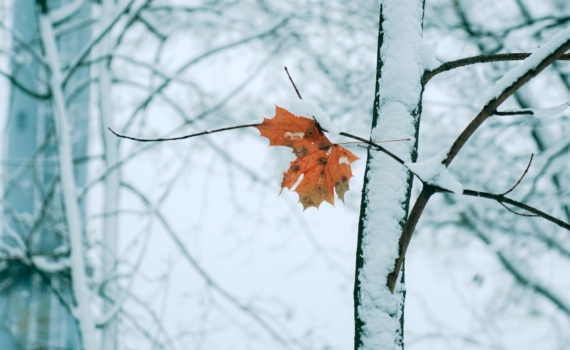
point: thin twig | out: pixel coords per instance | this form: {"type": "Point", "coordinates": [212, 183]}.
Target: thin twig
{"type": "Point", "coordinates": [514, 212]}
{"type": "Point", "coordinates": [527, 112]}
{"type": "Point", "coordinates": [378, 147]}
{"type": "Point", "coordinates": [185, 136]}
{"type": "Point", "coordinates": [502, 199]}
{"type": "Point", "coordinates": [380, 141]}
{"type": "Point", "coordinates": [24, 89]}
{"type": "Point", "coordinates": [203, 56]}
{"type": "Point", "coordinates": [522, 176]}
{"type": "Point", "coordinates": [292, 82]}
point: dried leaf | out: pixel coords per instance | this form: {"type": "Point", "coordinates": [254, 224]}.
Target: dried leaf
{"type": "Point", "coordinates": [324, 165]}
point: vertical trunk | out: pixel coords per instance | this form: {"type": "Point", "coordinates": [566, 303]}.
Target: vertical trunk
{"type": "Point", "coordinates": [80, 290]}
{"type": "Point", "coordinates": [109, 339]}
{"type": "Point", "coordinates": [379, 319]}
{"type": "Point", "coordinates": [33, 316]}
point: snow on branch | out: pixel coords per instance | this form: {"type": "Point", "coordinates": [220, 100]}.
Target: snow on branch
{"type": "Point", "coordinates": [541, 55]}
{"type": "Point", "coordinates": [511, 82]}
{"type": "Point", "coordinates": [467, 61]}
{"type": "Point", "coordinates": [537, 112]}
{"type": "Point", "coordinates": [505, 87]}
{"type": "Point", "coordinates": [49, 264]}
{"type": "Point", "coordinates": [433, 172]}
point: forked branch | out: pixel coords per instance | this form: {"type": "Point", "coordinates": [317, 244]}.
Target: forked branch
{"type": "Point", "coordinates": [520, 76]}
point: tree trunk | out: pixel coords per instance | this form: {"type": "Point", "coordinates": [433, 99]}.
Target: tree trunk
{"type": "Point", "coordinates": [80, 289]}
{"type": "Point", "coordinates": [379, 314]}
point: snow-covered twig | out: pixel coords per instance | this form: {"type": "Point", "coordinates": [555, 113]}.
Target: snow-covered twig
{"type": "Point", "coordinates": [537, 112]}
{"type": "Point", "coordinates": [502, 57]}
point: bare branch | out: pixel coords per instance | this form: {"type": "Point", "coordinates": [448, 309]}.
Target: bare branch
{"type": "Point", "coordinates": [519, 112]}
{"type": "Point", "coordinates": [22, 42]}
{"type": "Point", "coordinates": [375, 145]}
{"type": "Point", "coordinates": [522, 176]}
{"type": "Point", "coordinates": [204, 56]}
{"type": "Point", "coordinates": [520, 214]}
{"type": "Point", "coordinates": [24, 89]}
{"type": "Point", "coordinates": [407, 232]}
{"type": "Point", "coordinates": [502, 199]}
{"type": "Point", "coordinates": [502, 57]}
{"type": "Point", "coordinates": [85, 51]}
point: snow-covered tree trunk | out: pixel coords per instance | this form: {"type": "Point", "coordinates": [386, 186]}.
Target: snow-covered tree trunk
{"type": "Point", "coordinates": [387, 184]}
{"type": "Point", "coordinates": [82, 310]}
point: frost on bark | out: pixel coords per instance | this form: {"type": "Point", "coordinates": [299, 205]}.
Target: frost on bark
{"type": "Point", "coordinates": [387, 185]}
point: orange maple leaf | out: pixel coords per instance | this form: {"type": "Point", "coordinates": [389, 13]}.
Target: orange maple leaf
{"type": "Point", "coordinates": [324, 165]}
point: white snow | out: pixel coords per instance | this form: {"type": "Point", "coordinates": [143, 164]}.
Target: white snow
{"type": "Point", "coordinates": [310, 109]}
{"type": "Point", "coordinates": [48, 264]}
{"type": "Point", "coordinates": [550, 112]}
{"type": "Point", "coordinates": [343, 160]}
{"type": "Point", "coordinates": [434, 172]}
{"type": "Point", "coordinates": [528, 64]}
{"type": "Point", "coordinates": [543, 112]}
{"type": "Point", "coordinates": [405, 58]}
{"type": "Point", "coordinates": [427, 55]}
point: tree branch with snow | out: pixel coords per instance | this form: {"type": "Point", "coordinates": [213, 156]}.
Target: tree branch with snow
{"type": "Point", "coordinates": [505, 87]}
